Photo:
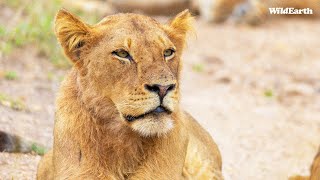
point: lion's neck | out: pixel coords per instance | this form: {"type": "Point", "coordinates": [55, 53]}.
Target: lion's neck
{"type": "Point", "coordinates": [103, 137]}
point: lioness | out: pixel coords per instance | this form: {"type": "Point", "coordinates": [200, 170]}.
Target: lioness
{"type": "Point", "coordinates": [251, 11]}
{"type": "Point", "coordinates": [118, 113]}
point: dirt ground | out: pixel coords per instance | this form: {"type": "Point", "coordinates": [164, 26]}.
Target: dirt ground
{"type": "Point", "coordinates": [256, 90]}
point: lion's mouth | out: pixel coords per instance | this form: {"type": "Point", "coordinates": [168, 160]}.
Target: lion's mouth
{"type": "Point", "coordinates": [156, 111]}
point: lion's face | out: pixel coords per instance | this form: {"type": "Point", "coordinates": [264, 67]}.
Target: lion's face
{"type": "Point", "coordinates": [134, 62]}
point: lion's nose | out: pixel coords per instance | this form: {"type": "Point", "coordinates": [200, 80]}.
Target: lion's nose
{"type": "Point", "coordinates": [162, 91]}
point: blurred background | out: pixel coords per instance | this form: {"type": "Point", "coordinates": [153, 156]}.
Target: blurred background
{"type": "Point", "coordinates": [256, 89]}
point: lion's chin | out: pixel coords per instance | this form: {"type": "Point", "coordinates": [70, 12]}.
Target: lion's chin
{"type": "Point", "coordinates": [153, 125]}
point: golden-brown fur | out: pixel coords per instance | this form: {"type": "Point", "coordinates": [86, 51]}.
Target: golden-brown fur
{"type": "Point", "coordinates": [252, 11]}
{"type": "Point", "coordinates": [95, 134]}
{"type": "Point", "coordinates": [314, 170]}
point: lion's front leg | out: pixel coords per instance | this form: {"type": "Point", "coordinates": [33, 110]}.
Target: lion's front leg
{"type": "Point", "coordinates": [45, 167]}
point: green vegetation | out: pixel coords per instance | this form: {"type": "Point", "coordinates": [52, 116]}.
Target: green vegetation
{"type": "Point", "coordinates": [10, 75]}
{"type": "Point", "coordinates": [38, 149]}
{"type": "Point", "coordinates": [50, 76]}
{"type": "Point", "coordinates": [32, 24]}
{"type": "Point", "coordinates": [14, 103]}
{"type": "Point", "coordinates": [198, 67]}
{"type": "Point", "coordinates": [268, 93]}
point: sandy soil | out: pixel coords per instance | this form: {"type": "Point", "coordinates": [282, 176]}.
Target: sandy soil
{"type": "Point", "coordinates": [256, 90]}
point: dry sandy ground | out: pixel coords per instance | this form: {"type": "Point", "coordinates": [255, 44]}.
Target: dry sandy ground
{"type": "Point", "coordinates": [256, 90]}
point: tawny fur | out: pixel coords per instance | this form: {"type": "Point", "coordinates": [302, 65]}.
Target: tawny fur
{"type": "Point", "coordinates": [92, 139]}
{"type": "Point", "coordinates": [314, 170]}
{"type": "Point", "coordinates": [252, 11]}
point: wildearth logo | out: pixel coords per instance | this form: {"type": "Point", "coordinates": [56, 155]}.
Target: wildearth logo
{"type": "Point", "coordinates": [290, 11]}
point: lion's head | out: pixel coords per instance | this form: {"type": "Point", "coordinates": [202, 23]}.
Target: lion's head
{"type": "Point", "coordinates": [130, 61]}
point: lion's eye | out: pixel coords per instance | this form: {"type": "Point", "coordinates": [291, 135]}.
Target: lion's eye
{"type": "Point", "coordinates": [168, 54]}
{"type": "Point", "coordinates": [122, 55]}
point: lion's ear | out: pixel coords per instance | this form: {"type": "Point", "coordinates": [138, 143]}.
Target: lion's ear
{"type": "Point", "coordinates": [178, 27]}
{"type": "Point", "coordinates": [72, 33]}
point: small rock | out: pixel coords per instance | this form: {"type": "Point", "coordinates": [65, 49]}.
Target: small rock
{"type": "Point", "coordinates": [298, 90]}
{"type": "Point", "coordinates": [213, 60]}
{"type": "Point", "coordinates": [223, 76]}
